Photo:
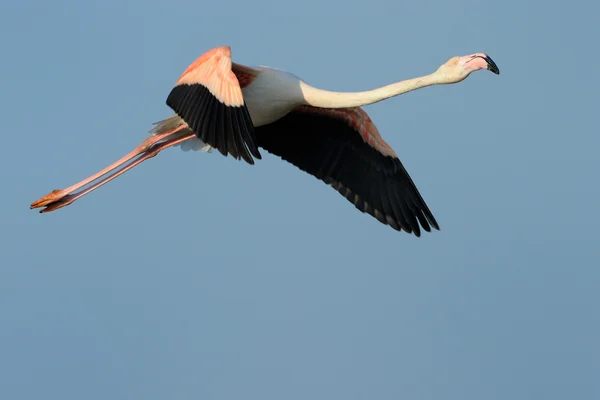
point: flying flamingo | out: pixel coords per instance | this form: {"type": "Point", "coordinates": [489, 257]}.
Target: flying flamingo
{"type": "Point", "coordinates": [236, 109]}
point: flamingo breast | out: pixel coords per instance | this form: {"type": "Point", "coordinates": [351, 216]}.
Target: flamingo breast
{"type": "Point", "coordinates": [272, 95]}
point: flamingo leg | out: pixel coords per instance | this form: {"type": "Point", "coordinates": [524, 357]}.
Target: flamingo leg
{"type": "Point", "coordinates": [56, 195]}
{"type": "Point", "coordinates": [148, 149]}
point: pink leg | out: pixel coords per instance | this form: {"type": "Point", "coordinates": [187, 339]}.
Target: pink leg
{"type": "Point", "coordinates": [56, 195]}
{"type": "Point", "coordinates": [152, 152]}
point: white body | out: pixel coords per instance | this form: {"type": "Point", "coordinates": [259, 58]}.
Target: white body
{"type": "Point", "coordinates": [272, 95]}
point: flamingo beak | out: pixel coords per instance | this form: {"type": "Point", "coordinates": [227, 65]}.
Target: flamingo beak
{"type": "Point", "coordinates": [478, 61]}
{"type": "Point", "coordinates": [491, 65]}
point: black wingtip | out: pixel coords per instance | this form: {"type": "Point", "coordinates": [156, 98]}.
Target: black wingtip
{"type": "Point", "coordinates": [228, 129]}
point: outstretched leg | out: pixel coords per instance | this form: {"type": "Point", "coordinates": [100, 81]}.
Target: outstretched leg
{"type": "Point", "coordinates": [147, 149]}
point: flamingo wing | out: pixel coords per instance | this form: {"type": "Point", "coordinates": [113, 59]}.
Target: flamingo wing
{"type": "Point", "coordinates": [343, 148]}
{"type": "Point", "coordinates": [209, 99]}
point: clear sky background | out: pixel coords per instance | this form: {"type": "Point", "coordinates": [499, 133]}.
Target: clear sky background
{"type": "Point", "coordinates": [198, 277]}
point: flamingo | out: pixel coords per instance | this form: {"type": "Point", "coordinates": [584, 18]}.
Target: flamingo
{"type": "Point", "coordinates": [235, 109]}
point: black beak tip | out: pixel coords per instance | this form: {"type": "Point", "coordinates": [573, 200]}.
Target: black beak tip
{"type": "Point", "coordinates": [492, 65]}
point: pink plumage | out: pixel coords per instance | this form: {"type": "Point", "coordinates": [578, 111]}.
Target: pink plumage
{"type": "Point", "coordinates": [213, 71]}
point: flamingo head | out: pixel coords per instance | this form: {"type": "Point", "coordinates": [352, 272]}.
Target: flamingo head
{"type": "Point", "coordinates": [457, 69]}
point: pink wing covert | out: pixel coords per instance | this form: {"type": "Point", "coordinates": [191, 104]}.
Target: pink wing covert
{"type": "Point", "coordinates": [208, 97]}
{"type": "Point", "coordinates": [360, 121]}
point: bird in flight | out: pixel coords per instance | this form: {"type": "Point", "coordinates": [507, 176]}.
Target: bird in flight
{"type": "Point", "coordinates": [236, 110]}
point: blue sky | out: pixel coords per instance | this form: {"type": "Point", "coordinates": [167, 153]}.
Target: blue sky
{"type": "Point", "coordinates": [198, 277]}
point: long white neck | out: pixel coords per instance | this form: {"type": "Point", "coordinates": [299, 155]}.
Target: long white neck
{"type": "Point", "coordinates": [326, 99]}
